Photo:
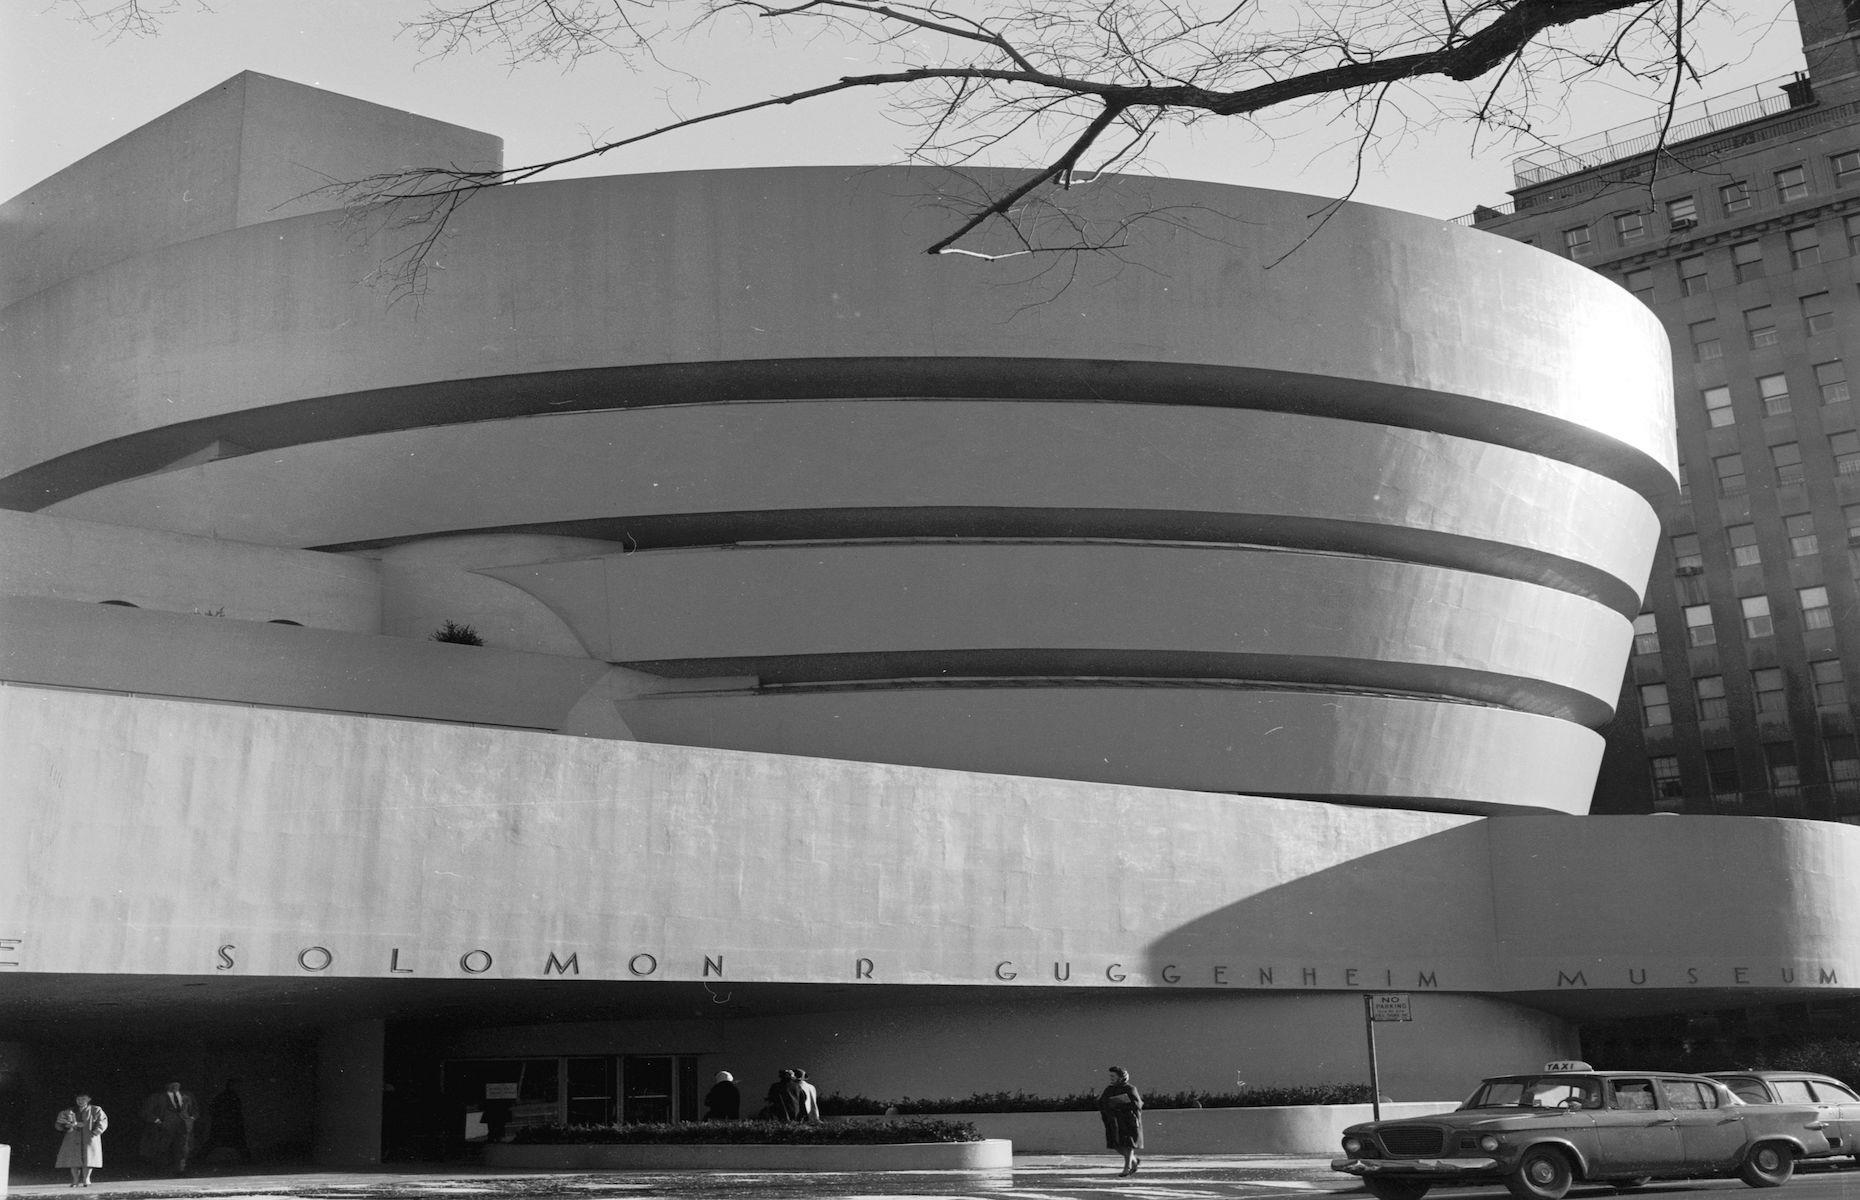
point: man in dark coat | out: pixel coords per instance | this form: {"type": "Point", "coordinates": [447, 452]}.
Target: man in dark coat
{"type": "Point", "coordinates": [168, 1119]}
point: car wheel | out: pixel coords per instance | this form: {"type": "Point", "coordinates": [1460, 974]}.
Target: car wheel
{"type": "Point", "coordinates": [1543, 1174]}
{"type": "Point", "coordinates": [1770, 1164]}
{"type": "Point", "coordinates": [1396, 1189]}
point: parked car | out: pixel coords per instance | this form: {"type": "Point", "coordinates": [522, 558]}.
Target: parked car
{"type": "Point", "coordinates": [1839, 1105]}
{"type": "Point", "coordinates": [1541, 1132]}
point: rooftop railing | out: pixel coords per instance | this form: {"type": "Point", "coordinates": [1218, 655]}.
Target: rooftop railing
{"type": "Point", "coordinates": [1637, 137]}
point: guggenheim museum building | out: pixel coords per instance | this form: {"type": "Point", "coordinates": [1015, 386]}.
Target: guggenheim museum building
{"type": "Point", "coordinates": [946, 675]}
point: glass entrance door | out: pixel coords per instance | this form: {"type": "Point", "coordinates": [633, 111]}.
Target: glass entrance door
{"type": "Point", "coordinates": [646, 1083]}
{"type": "Point", "coordinates": [590, 1091]}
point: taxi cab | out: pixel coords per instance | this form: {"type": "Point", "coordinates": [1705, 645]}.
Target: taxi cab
{"type": "Point", "coordinates": [1541, 1132]}
{"type": "Point", "coordinates": [1839, 1105]}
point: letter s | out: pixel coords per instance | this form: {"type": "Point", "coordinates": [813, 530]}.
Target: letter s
{"type": "Point", "coordinates": [226, 957]}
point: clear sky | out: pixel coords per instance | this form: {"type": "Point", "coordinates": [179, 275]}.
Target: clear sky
{"type": "Point", "coordinates": [68, 91]}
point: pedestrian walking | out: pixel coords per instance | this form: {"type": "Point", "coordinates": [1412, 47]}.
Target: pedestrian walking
{"type": "Point", "coordinates": [81, 1151]}
{"type": "Point", "coordinates": [1121, 1107]}
{"type": "Point", "coordinates": [168, 1119]}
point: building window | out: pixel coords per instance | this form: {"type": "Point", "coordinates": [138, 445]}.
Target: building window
{"type": "Point", "coordinates": [1775, 392]}
{"type": "Point", "coordinates": [1735, 197]}
{"type": "Point", "coordinates": [1757, 620]}
{"type": "Point", "coordinates": [1802, 538]}
{"type": "Point", "coordinates": [1744, 549]}
{"type": "Point", "coordinates": [1788, 460]}
{"type": "Point", "coordinates": [1666, 785]}
{"type": "Point", "coordinates": [1767, 684]}
{"type": "Point", "coordinates": [1818, 313]}
{"type": "Point", "coordinates": [1760, 326]}
{"type": "Point", "coordinates": [1846, 168]}
{"type": "Point", "coordinates": [1692, 276]}
{"type": "Point", "coordinates": [1685, 483]}
{"type": "Point", "coordinates": [1791, 184]}
{"type": "Point", "coordinates": [1844, 766]}
{"type": "Point", "coordinates": [1846, 448]}
{"type": "Point", "coordinates": [1804, 247]}
{"type": "Point", "coordinates": [1705, 344]}
{"type": "Point", "coordinates": [1712, 704]}
{"type": "Point", "coordinates": [1730, 471]}
{"type": "Point", "coordinates": [1640, 283]}
{"type": "Point", "coordinates": [1831, 379]}
{"type": "Point", "coordinates": [1830, 683]}
{"type": "Point", "coordinates": [1683, 211]}
{"type": "Point", "coordinates": [1815, 611]}
{"type": "Point", "coordinates": [1746, 261]}
{"type": "Point", "coordinates": [1687, 557]}
{"type": "Point", "coordinates": [1699, 629]}
{"type": "Point", "coordinates": [1718, 406]}
{"type": "Point", "coordinates": [1655, 707]}
{"type": "Point", "coordinates": [1721, 774]}
{"type": "Point", "coordinates": [1646, 634]}
{"type": "Point", "coordinates": [1785, 775]}
{"type": "Point", "coordinates": [1576, 241]}
{"type": "Point", "coordinates": [1630, 227]}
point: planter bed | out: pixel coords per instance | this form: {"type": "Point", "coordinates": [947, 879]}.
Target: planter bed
{"type": "Point", "coordinates": [990, 1154]}
{"type": "Point", "coordinates": [1301, 1129]}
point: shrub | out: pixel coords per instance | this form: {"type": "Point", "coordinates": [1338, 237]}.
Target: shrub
{"type": "Point", "coordinates": [774, 1133]}
{"type": "Point", "coordinates": [1006, 1102]}
{"type": "Point", "coordinates": [452, 631]}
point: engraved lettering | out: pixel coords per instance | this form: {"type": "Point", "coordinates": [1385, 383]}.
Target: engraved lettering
{"type": "Point", "coordinates": [1220, 975]}
{"type": "Point", "coordinates": [1576, 980]}
{"type": "Point", "coordinates": [561, 967]}
{"type": "Point", "coordinates": [1637, 975]}
{"type": "Point", "coordinates": [1425, 979]}
{"type": "Point", "coordinates": [481, 957]}
{"type": "Point", "coordinates": [1169, 974]}
{"type": "Point", "coordinates": [1265, 977]}
{"type": "Point", "coordinates": [1004, 971]}
{"type": "Point", "coordinates": [652, 964]}
{"type": "Point", "coordinates": [394, 967]}
{"type": "Point", "coordinates": [713, 966]}
{"type": "Point", "coordinates": [1310, 975]}
{"type": "Point", "coordinates": [1692, 974]}
{"type": "Point", "coordinates": [1349, 977]}
{"type": "Point", "coordinates": [862, 968]}
{"type": "Point", "coordinates": [320, 953]}
{"type": "Point", "coordinates": [1740, 974]}
{"type": "Point", "coordinates": [1058, 976]}
{"type": "Point", "coordinates": [1113, 974]}
{"type": "Point", "coordinates": [1828, 976]}
{"type": "Point", "coordinates": [225, 953]}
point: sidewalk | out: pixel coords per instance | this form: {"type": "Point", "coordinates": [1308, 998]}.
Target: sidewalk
{"type": "Point", "coordinates": [1251, 1176]}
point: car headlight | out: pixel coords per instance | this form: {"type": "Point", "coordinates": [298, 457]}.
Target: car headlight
{"type": "Point", "coordinates": [1352, 1145]}
{"type": "Point", "coordinates": [1489, 1143]}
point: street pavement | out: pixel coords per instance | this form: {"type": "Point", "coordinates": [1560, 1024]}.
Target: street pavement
{"type": "Point", "coordinates": [1032, 1177]}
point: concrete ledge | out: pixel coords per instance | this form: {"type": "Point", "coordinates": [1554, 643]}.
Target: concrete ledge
{"type": "Point", "coordinates": [910, 1156]}
{"type": "Point", "coordinates": [1304, 1129]}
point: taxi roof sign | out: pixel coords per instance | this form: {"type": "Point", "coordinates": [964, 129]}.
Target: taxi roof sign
{"type": "Point", "coordinates": [1568, 1064]}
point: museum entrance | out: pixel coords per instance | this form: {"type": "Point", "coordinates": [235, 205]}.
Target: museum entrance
{"type": "Point", "coordinates": [493, 1098]}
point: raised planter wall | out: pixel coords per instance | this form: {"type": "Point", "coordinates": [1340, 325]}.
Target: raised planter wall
{"type": "Point", "coordinates": [912, 1156]}
{"type": "Point", "coordinates": [1303, 1129]}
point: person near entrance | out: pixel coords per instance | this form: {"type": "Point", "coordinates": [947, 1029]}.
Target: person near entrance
{"type": "Point", "coordinates": [724, 1101]}
{"type": "Point", "coordinates": [225, 1124]}
{"type": "Point", "coordinates": [168, 1119]}
{"type": "Point", "coordinates": [810, 1097]}
{"type": "Point", "coordinates": [784, 1097]}
{"type": "Point", "coordinates": [81, 1152]}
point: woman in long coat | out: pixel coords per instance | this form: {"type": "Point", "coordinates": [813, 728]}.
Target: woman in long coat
{"type": "Point", "coordinates": [1121, 1107]}
{"type": "Point", "coordinates": [82, 1150]}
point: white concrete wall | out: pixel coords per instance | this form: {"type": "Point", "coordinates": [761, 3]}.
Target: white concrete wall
{"type": "Point", "coordinates": [317, 845]}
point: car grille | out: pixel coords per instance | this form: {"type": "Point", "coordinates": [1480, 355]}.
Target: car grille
{"type": "Point", "coordinates": [1413, 1140]}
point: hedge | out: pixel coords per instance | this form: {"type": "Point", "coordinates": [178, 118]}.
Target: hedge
{"type": "Point", "coordinates": [773, 1133]}
{"type": "Point", "coordinates": [1012, 1102]}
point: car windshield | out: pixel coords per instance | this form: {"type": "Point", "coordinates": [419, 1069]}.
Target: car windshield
{"type": "Point", "coordinates": [1537, 1091]}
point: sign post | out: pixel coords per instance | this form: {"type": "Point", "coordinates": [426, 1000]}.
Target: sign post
{"type": "Point", "coordinates": [1380, 1006]}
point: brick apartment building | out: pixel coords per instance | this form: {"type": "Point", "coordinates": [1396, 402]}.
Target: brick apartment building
{"type": "Point", "coordinates": [1742, 232]}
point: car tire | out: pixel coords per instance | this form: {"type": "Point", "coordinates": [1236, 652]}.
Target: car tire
{"type": "Point", "coordinates": [1397, 1189]}
{"type": "Point", "coordinates": [1543, 1174]}
{"type": "Point", "coordinates": [1769, 1164]}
